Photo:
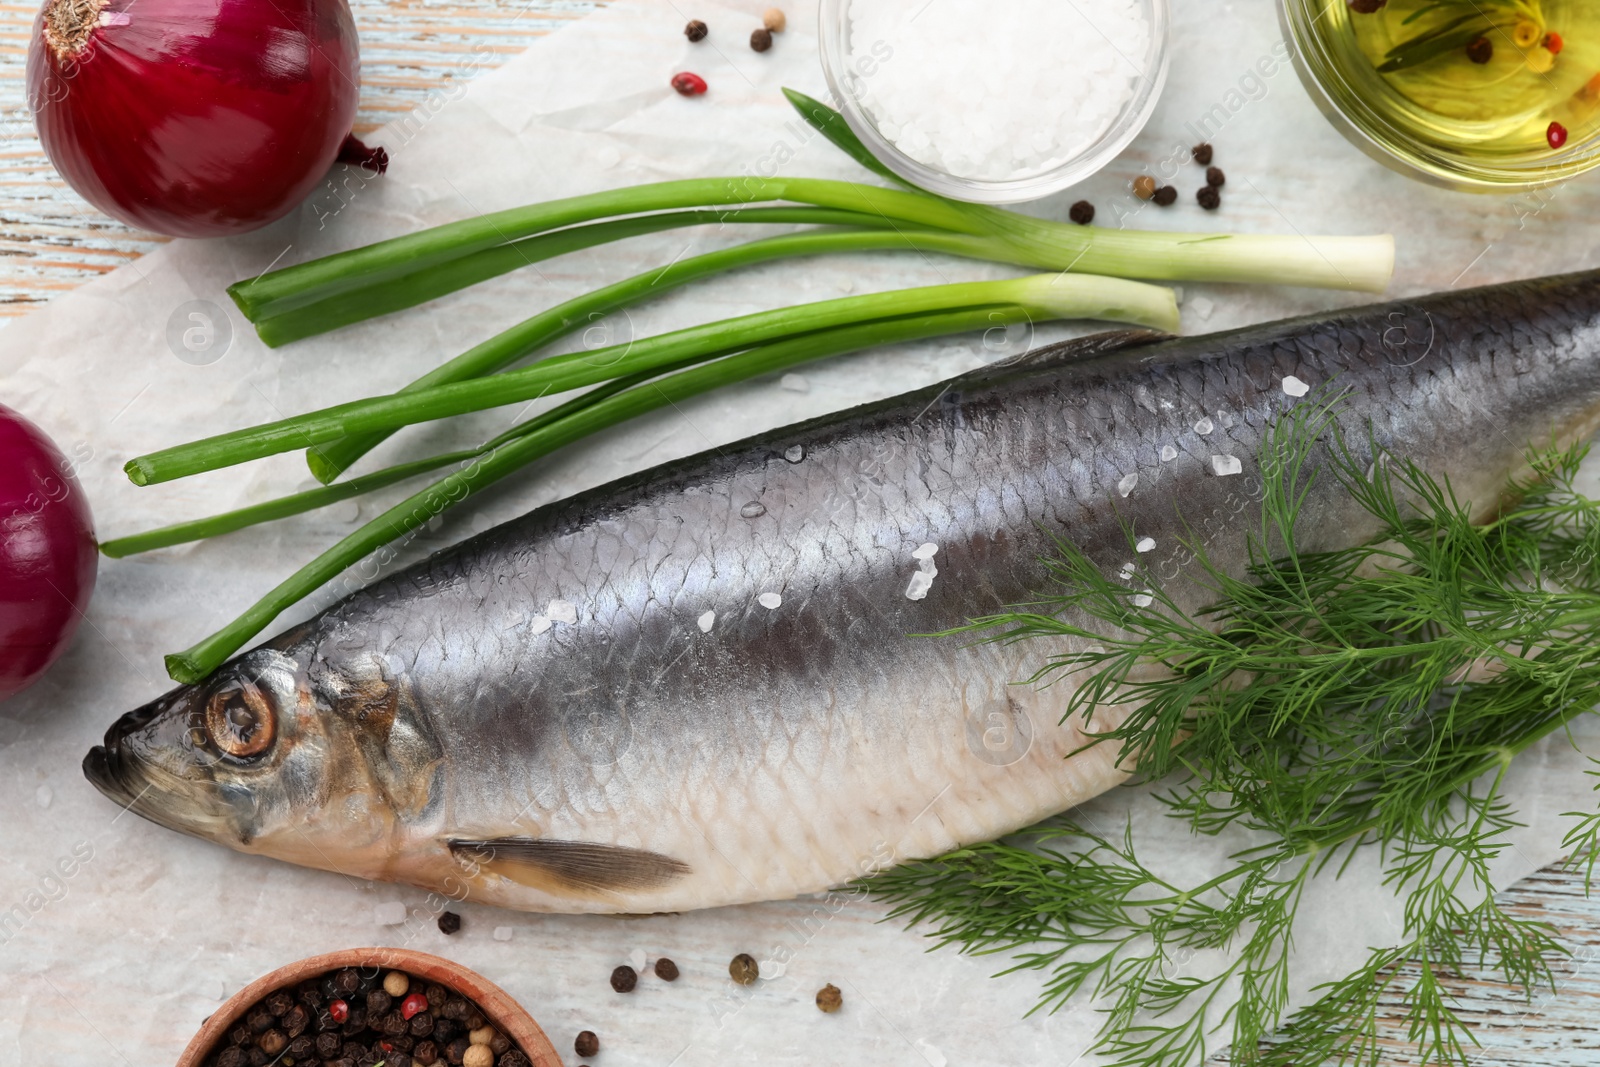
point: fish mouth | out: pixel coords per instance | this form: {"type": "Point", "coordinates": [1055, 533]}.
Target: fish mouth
{"type": "Point", "coordinates": [134, 784]}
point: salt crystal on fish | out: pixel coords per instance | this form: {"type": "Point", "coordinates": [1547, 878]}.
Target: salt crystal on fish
{"type": "Point", "coordinates": [926, 550]}
{"type": "Point", "coordinates": [1204, 426]}
{"type": "Point", "coordinates": [795, 453]}
{"type": "Point", "coordinates": [1168, 453]}
{"type": "Point", "coordinates": [562, 611]}
{"type": "Point", "coordinates": [795, 383]}
{"type": "Point", "coordinates": [1145, 544]}
{"type": "Point", "coordinates": [1295, 387]}
{"type": "Point", "coordinates": [1127, 485]}
{"type": "Point", "coordinates": [920, 583]}
{"type": "Point", "coordinates": [503, 933]}
{"type": "Point", "coordinates": [770, 601]}
{"type": "Point", "coordinates": [539, 624]}
{"type": "Point", "coordinates": [389, 913]}
{"type": "Point", "coordinates": [707, 621]}
{"type": "Point", "coordinates": [1226, 465]}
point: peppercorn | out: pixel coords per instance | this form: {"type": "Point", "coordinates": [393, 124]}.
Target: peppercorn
{"type": "Point", "coordinates": [342, 1061]}
{"type": "Point", "coordinates": [499, 1044]}
{"type": "Point", "coordinates": [1556, 134]}
{"type": "Point", "coordinates": [1480, 50]}
{"type": "Point", "coordinates": [396, 983]}
{"type": "Point", "coordinates": [1165, 196]}
{"type": "Point", "coordinates": [515, 1058]}
{"type": "Point", "coordinates": [624, 978]}
{"type": "Point", "coordinates": [356, 1022]}
{"type": "Point", "coordinates": [328, 1045]}
{"type": "Point", "coordinates": [1082, 213]}
{"type": "Point", "coordinates": [340, 1010]}
{"type": "Point", "coordinates": [588, 1044]}
{"type": "Point", "coordinates": [436, 994]}
{"type": "Point", "coordinates": [695, 31]}
{"type": "Point", "coordinates": [444, 1030]}
{"type": "Point", "coordinates": [256, 1058]}
{"type": "Point", "coordinates": [260, 1021]}
{"type": "Point", "coordinates": [414, 1003]}
{"type": "Point", "coordinates": [1367, 7]}
{"type": "Point", "coordinates": [1202, 154]}
{"type": "Point", "coordinates": [1209, 198]}
{"type": "Point", "coordinates": [425, 1053]}
{"type": "Point", "coordinates": [744, 969]}
{"type": "Point", "coordinates": [351, 1050]}
{"type": "Point", "coordinates": [295, 1020]}
{"type": "Point", "coordinates": [478, 1056]}
{"type": "Point", "coordinates": [455, 1050]}
{"type": "Point", "coordinates": [774, 19]}
{"type": "Point", "coordinates": [1553, 43]}
{"type": "Point", "coordinates": [455, 1008]}
{"type": "Point", "coordinates": [474, 1019]}
{"type": "Point", "coordinates": [482, 1035]}
{"type": "Point", "coordinates": [396, 1058]}
{"type": "Point", "coordinates": [688, 84]}
{"type": "Point", "coordinates": [1144, 187]}
{"type": "Point", "coordinates": [378, 1002]}
{"type": "Point", "coordinates": [300, 1048]}
{"type": "Point", "coordinates": [421, 1024]}
{"type": "Point", "coordinates": [394, 1023]}
{"type": "Point", "coordinates": [1215, 178]}
{"type": "Point", "coordinates": [239, 1035]}
{"type": "Point", "coordinates": [666, 970]}
{"type": "Point", "coordinates": [232, 1056]}
{"type": "Point", "coordinates": [761, 39]}
{"type": "Point", "coordinates": [279, 1002]}
{"type": "Point", "coordinates": [449, 922]}
{"type": "Point", "coordinates": [272, 1042]}
{"type": "Point", "coordinates": [829, 999]}
{"type": "Point", "coordinates": [346, 981]}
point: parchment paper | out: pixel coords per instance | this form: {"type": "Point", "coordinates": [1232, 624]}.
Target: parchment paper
{"type": "Point", "coordinates": [120, 962]}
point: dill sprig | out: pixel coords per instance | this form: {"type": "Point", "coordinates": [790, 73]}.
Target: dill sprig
{"type": "Point", "coordinates": [1327, 701]}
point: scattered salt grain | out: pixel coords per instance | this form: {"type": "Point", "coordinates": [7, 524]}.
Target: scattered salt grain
{"type": "Point", "coordinates": [539, 624]}
{"type": "Point", "coordinates": [1202, 307]}
{"type": "Point", "coordinates": [961, 94]}
{"type": "Point", "coordinates": [1226, 465]}
{"type": "Point", "coordinates": [503, 933]}
{"type": "Point", "coordinates": [1143, 600]}
{"type": "Point", "coordinates": [1168, 453]}
{"type": "Point", "coordinates": [43, 796]}
{"type": "Point", "coordinates": [1128, 568]}
{"type": "Point", "coordinates": [707, 621]}
{"type": "Point", "coordinates": [562, 611]}
{"type": "Point", "coordinates": [389, 913]}
{"type": "Point", "coordinates": [927, 571]}
{"type": "Point", "coordinates": [348, 511]}
{"type": "Point", "coordinates": [1127, 484]}
{"type": "Point", "coordinates": [770, 601]}
{"type": "Point", "coordinates": [795, 383]}
{"type": "Point", "coordinates": [1295, 387]}
{"type": "Point", "coordinates": [921, 582]}
{"type": "Point", "coordinates": [637, 959]}
{"type": "Point", "coordinates": [1204, 426]}
{"type": "Point", "coordinates": [1146, 544]}
{"type": "Point", "coordinates": [930, 1055]}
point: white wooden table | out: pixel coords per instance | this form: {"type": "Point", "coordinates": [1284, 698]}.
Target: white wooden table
{"type": "Point", "coordinates": [50, 242]}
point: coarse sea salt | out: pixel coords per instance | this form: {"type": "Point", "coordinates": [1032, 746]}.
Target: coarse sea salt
{"type": "Point", "coordinates": [995, 92]}
{"type": "Point", "coordinates": [707, 621]}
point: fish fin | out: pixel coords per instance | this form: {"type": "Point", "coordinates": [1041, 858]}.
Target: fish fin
{"type": "Point", "coordinates": [1074, 351]}
{"type": "Point", "coordinates": [572, 868]}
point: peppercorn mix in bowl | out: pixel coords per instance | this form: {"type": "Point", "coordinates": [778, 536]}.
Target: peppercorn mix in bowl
{"type": "Point", "coordinates": [361, 1007]}
{"type": "Point", "coordinates": [1479, 95]}
{"type": "Point", "coordinates": [995, 103]}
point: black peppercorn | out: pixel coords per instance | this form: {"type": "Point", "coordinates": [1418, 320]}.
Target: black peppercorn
{"type": "Point", "coordinates": [455, 1008]}
{"type": "Point", "coordinates": [355, 1022]}
{"type": "Point", "coordinates": [328, 1046]}
{"type": "Point", "coordinates": [257, 1058]}
{"type": "Point", "coordinates": [695, 31]}
{"type": "Point", "coordinates": [346, 982]}
{"type": "Point", "coordinates": [829, 999]}
{"type": "Point", "coordinates": [1480, 50]}
{"type": "Point", "coordinates": [272, 1042]}
{"type": "Point", "coordinates": [279, 1002]}
{"type": "Point", "coordinates": [666, 970]}
{"type": "Point", "coordinates": [444, 1030]}
{"type": "Point", "coordinates": [624, 978]}
{"type": "Point", "coordinates": [342, 1061]}
{"type": "Point", "coordinates": [455, 1051]}
{"type": "Point", "coordinates": [239, 1035]}
{"type": "Point", "coordinates": [1215, 178]}
{"type": "Point", "coordinates": [425, 1053]}
{"type": "Point", "coordinates": [1165, 196]}
{"type": "Point", "coordinates": [232, 1056]}
{"type": "Point", "coordinates": [378, 1002]}
{"type": "Point", "coordinates": [514, 1058]}
{"type": "Point", "coordinates": [1209, 198]}
{"type": "Point", "coordinates": [393, 1024]}
{"type": "Point", "coordinates": [1202, 154]}
{"type": "Point", "coordinates": [1082, 213]}
{"type": "Point", "coordinates": [300, 1048]}
{"type": "Point", "coordinates": [260, 1021]}
{"type": "Point", "coordinates": [421, 1024]}
{"type": "Point", "coordinates": [588, 1044]}
{"type": "Point", "coordinates": [744, 969]}
{"type": "Point", "coordinates": [474, 1020]}
{"type": "Point", "coordinates": [761, 39]}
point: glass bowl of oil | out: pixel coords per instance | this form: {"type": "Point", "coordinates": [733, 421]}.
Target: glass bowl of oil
{"type": "Point", "coordinates": [1482, 95]}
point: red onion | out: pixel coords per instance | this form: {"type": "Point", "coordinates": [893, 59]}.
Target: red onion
{"type": "Point", "coordinates": [194, 118]}
{"type": "Point", "coordinates": [47, 552]}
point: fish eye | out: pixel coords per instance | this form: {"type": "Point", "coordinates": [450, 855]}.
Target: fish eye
{"type": "Point", "coordinates": [240, 721]}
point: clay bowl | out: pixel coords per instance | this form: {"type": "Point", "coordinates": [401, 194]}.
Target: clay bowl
{"type": "Point", "coordinates": [506, 1014]}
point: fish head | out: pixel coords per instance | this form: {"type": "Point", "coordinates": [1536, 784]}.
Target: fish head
{"type": "Point", "coordinates": [286, 751]}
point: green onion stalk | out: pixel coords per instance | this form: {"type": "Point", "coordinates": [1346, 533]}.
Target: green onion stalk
{"type": "Point", "coordinates": [1078, 297]}
{"type": "Point", "coordinates": [1044, 296]}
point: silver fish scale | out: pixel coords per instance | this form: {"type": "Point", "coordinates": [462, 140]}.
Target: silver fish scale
{"type": "Point", "coordinates": [790, 749]}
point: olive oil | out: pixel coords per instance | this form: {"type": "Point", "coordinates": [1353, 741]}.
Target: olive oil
{"type": "Point", "coordinates": [1484, 94]}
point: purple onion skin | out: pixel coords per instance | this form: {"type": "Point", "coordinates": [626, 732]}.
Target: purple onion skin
{"type": "Point", "coordinates": [47, 552]}
{"type": "Point", "coordinates": [198, 118]}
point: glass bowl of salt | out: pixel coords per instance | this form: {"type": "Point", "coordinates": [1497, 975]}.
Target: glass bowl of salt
{"type": "Point", "coordinates": [995, 101]}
